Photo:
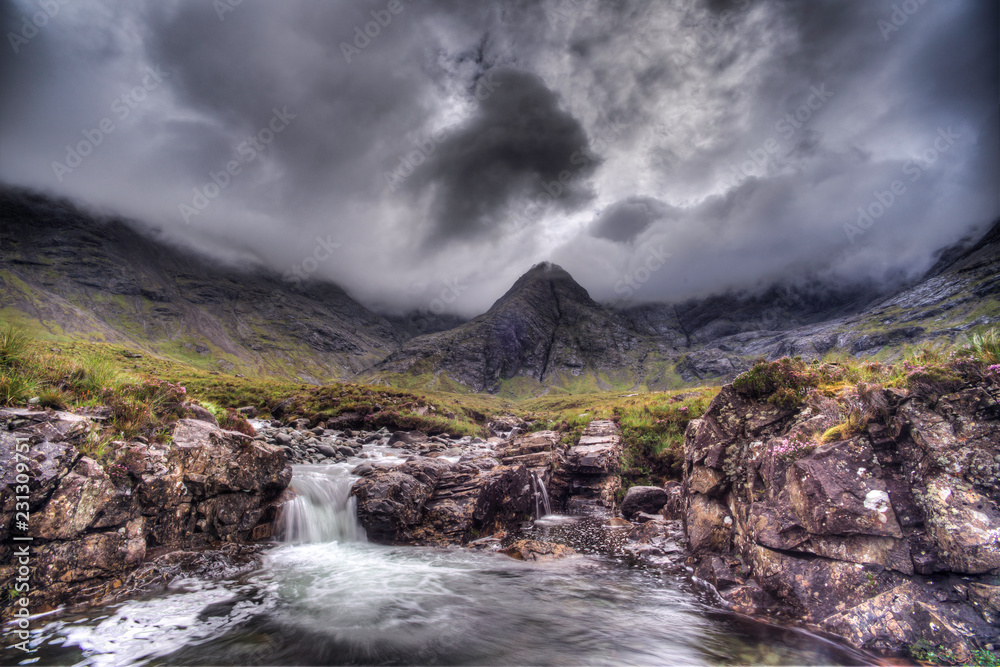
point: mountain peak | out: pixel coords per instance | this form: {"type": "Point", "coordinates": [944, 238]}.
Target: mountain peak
{"type": "Point", "coordinates": [547, 268]}
{"type": "Point", "coordinates": [541, 283]}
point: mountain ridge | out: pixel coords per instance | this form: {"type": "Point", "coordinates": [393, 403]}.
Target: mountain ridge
{"type": "Point", "coordinates": [72, 274]}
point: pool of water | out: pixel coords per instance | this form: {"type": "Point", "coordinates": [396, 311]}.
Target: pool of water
{"type": "Point", "coordinates": [330, 597]}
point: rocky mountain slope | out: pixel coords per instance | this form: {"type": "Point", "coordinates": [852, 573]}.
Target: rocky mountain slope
{"type": "Point", "coordinates": [960, 292]}
{"type": "Point", "coordinates": [548, 330]}
{"type": "Point", "coordinates": [73, 275]}
{"type": "Point", "coordinates": [545, 329]}
{"type": "Point", "coordinates": [77, 276]}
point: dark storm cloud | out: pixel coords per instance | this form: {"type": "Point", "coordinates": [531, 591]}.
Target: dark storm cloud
{"type": "Point", "coordinates": [514, 147]}
{"type": "Point", "coordinates": [681, 108]}
{"type": "Point", "coordinates": [623, 221]}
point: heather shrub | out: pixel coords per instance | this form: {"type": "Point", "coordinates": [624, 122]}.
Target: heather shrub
{"type": "Point", "coordinates": [783, 382]}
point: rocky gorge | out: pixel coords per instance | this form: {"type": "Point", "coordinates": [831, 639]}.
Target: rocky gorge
{"type": "Point", "coordinates": [888, 538]}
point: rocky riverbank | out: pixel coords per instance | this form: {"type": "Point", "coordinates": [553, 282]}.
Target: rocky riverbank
{"type": "Point", "coordinates": [888, 538]}
{"type": "Point", "coordinates": [87, 526]}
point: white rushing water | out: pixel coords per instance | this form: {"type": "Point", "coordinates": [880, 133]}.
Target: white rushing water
{"type": "Point", "coordinates": [326, 596]}
{"type": "Point", "coordinates": [323, 509]}
{"type": "Point", "coordinates": [541, 494]}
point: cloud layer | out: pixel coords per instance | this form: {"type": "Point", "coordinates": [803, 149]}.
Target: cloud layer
{"type": "Point", "coordinates": [446, 145]}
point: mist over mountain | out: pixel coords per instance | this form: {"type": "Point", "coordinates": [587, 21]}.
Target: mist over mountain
{"type": "Point", "coordinates": [71, 275]}
{"type": "Point", "coordinates": [755, 142]}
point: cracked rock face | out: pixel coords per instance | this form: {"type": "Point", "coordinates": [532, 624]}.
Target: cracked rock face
{"type": "Point", "coordinates": [865, 537]}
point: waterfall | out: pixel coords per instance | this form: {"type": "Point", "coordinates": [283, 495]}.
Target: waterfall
{"type": "Point", "coordinates": [542, 506]}
{"type": "Point", "coordinates": [322, 510]}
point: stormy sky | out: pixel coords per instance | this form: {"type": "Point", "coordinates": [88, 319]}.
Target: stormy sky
{"type": "Point", "coordinates": [412, 148]}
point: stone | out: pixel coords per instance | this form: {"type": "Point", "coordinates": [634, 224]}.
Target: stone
{"type": "Point", "coordinates": [598, 451]}
{"type": "Point", "coordinates": [648, 499]}
{"type": "Point", "coordinates": [830, 497]}
{"type": "Point", "coordinates": [198, 412]}
{"type": "Point", "coordinates": [406, 438]}
{"type": "Point", "coordinates": [327, 450]}
{"type": "Point", "coordinates": [708, 481]}
{"type": "Point", "coordinates": [749, 599]}
{"type": "Point", "coordinates": [843, 535]}
{"type": "Point", "coordinates": [81, 497]}
{"type": "Point", "coordinates": [535, 551]}
{"type": "Point", "coordinates": [432, 501]}
{"type": "Point", "coordinates": [706, 525]}
{"type": "Point", "coordinates": [964, 523]}
{"type": "Point", "coordinates": [655, 542]}
{"type": "Point", "coordinates": [204, 486]}
{"type": "Point", "coordinates": [716, 571]}
{"type": "Point", "coordinates": [675, 508]}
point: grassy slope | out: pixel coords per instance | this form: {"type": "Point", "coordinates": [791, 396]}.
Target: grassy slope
{"type": "Point", "coordinates": [79, 373]}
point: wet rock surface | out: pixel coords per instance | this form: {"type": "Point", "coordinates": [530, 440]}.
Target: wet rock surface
{"type": "Point", "coordinates": [535, 551]}
{"type": "Point", "coordinates": [491, 487]}
{"type": "Point", "coordinates": [90, 524]}
{"type": "Point", "coordinates": [886, 538]}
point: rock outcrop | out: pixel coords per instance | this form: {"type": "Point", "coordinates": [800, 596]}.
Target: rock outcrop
{"type": "Point", "coordinates": [90, 524]}
{"type": "Point", "coordinates": [535, 551]}
{"type": "Point", "coordinates": [590, 471]}
{"type": "Point", "coordinates": [434, 501]}
{"type": "Point", "coordinates": [493, 486]}
{"type": "Point", "coordinates": [886, 538]}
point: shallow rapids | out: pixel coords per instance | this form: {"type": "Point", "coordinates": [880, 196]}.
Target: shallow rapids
{"type": "Point", "coordinates": [326, 596]}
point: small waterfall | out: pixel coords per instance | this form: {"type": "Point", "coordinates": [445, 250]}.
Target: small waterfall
{"type": "Point", "coordinates": [322, 510]}
{"type": "Point", "coordinates": [542, 506]}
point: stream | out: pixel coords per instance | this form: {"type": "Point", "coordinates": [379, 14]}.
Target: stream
{"type": "Point", "coordinates": [325, 595]}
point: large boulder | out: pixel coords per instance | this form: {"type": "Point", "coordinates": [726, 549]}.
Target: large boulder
{"type": "Point", "coordinates": [857, 537]}
{"type": "Point", "coordinates": [434, 501]}
{"type": "Point", "coordinates": [649, 499]}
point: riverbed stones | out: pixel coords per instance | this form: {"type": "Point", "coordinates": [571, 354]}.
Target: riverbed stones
{"type": "Point", "coordinates": [406, 438]}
